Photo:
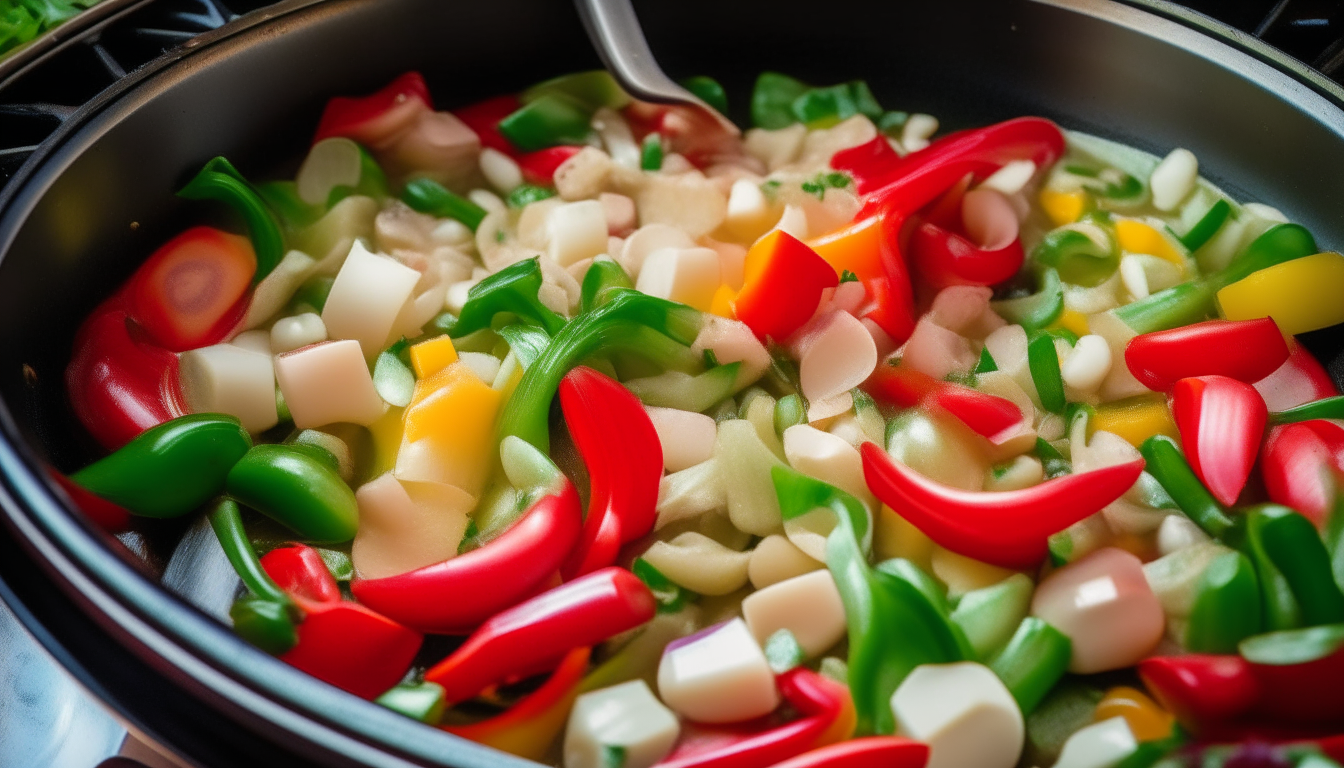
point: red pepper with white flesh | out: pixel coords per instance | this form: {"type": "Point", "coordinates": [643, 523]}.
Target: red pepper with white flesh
{"type": "Point", "coordinates": [966, 239]}
{"type": "Point", "coordinates": [1245, 350]}
{"type": "Point", "coordinates": [783, 286]}
{"type": "Point", "coordinates": [455, 596]}
{"type": "Point", "coordinates": [539, 167]}
{"type": "Point", "coordinates": [533, 636]}
{"type": "Point", "coordinates": [1300, 380]}
{"type": "Point", "coordinates": [340, 642]}
{"type": "Point", "coordinates": [1298, 465]}
{"type": "Point", "coordinates": [826, 716]}
{"type": "Point", "coordinates": [624, 457]}
{"type": "Point", "coordinates": [1221, 421]}
{"type": "Point", "coordinates": [988, 415]}
{"type": "Point", "coordinates": [379, 118]}
{"type": "Point", "coordinates": [1009, 528]}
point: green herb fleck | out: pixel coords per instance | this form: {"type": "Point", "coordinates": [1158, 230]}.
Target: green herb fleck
{"type": "Point", "coordinates": [499, 235]}
{"type": "Point", "coordinates": [848, 277]}
{"type": "Point", "coordinates": [771, 189]}
{"type": "Point", "coordinates": [613, 756]}
{"type": "Point", "coordinates": [711, 359]}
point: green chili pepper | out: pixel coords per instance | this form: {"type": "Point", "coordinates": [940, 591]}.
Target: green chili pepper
{"type": "Point", "coordinates": [297, 489]}
{"type": "Point", "coordinates": [266, 617]}
{"type": "Point", "coordinates": [1043, 362]}
{"type": "Point", "coordinates": [671, 597]}
{"type": "Point", "coordinates": [1039, 309]}
{"type": "Point", "coordinates": [1034, 660]}
{"type": "Point", "coordinates": [170, 469]}
{"type": "Point", "coordinates": [512, 289]}
{"type": "Point", "coordinates": [772, 100]}
{"type": "Point", "coordinates": [1327, 408]}
{"type": "Point", "coordinates": [431, 197]}
{"type": "Point", "coordinates": [219, 180]}
{"type": "Point", "coordinates": [423, 701]}
{"type": "Point", "coordinates": [1079, 259]}
{"type": "Point", "coordinates": [651, 153]}
{"type": "Point", "coordinates": [893, 625]}
{"type": "Point", "coordinates": [1207, 226]}
{"type": "Point", "coordinates": [1054, 462]}
{"type": "Point", "coordinates": [1300, 582]}
{"type": "Point", "coordinates": [1168, 466]}
{"type": "Point", "coordinates": [1226, 609]}
{"type": "Point", "coordinates": [611, 326]}
{"type": "Point", "coordinates": [601, 277]}
{"type": "Point", "coordinates": [709, 91]}
{"type": "Point", "coordinates": [550, 119]}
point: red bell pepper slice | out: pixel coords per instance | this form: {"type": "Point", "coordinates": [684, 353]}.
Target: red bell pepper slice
{"type": "Point", "coordinates": [620, 448]}
{"type": "Point", "coordinates": [533, 636]}
{"type": "Point", "coordinates": [868, 163]}
{"type": "Point", "coordinates": [1298, 463]}
{"type": "Point", "coordinates": [539, 167]}
{"type": "Point", "coordinates": [121, 384]}
{"type": "Point", "coordinates": [298, 569]}
{"type": "Point", "coordinates": [783, 286]}
{"type": "Point", "coordinates": [1008, 528]}
{"type": "Point", "coordinates": [1201, 688]}
{"type": "Point", "coordinates": [946, 258]}
{"type": "Point", "coordinates": [1245, 350]}
{"type": "Point", "coordinates": [885, 751]}
{"type": "Point", "coordinates": [194, 290]}
{"type": "Point", "coordinates": [483, 117]}
{"type": "Point", "coordinates": [826, 710]}
{"type": "Point", "coordinates": [111, 517]}
{"type": "Point", "coordinates": [529, 727]}
{"type": "Point", "coordinates": [455, 596]}
{"type": "Point", "coordinates": [1221, 421]}
{"type": "Point", "coordinates": [1298, 381]}
{"type": "Point", "coordinates": [988, 415]}
{"type": "Point", "coordinates": [376, 119]}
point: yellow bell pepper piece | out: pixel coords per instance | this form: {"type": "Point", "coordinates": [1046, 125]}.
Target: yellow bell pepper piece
{"type": "Point", "coordinates": [1136, 236]}
{"type": "Point", "coordinates": [1146, 720]}
{"type": "Point", "coordinates": [1301, 295]}
{"type": "Point", "coordinates": [387, 433]}
{"type": "Point", "coordinates": [1063, 207]}
{"type": "Point", "coordinates": [1073, 320]}
{"type": "Point", "coordinates": [430, 357]}
{"type": "Point", "coordinates": [456, 413]}
{"type": "Point", "coordinates": [857, 248]}
{"type": "Point", "coordinates": [1136, 418]}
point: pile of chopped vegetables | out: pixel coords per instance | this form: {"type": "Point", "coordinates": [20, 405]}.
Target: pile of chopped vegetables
{"type": "Point", "coordinates": [838, 444]}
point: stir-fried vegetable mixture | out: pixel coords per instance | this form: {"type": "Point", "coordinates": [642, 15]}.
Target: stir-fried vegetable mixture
{"type": "Point", "coordinates": [844, 443]}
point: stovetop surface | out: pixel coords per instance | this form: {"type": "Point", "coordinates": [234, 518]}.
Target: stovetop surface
{"type": "Point", "coordinates": [46, 718]}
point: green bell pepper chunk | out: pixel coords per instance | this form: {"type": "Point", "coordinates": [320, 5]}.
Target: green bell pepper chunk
{"type": "Point", "coordinates": [1297, 646]}
{"type": "Point", "coordinates": [170, 469]}
{"type": "Point", "coordinates": [219, 180]}
{"type": "Point", "coordinates": [1165, 463]}
{"type": "Point", "coordinates": [986, 364]}
{"type": "Point", "coordinates": [292, 486]}
{"type": "Point", "coordinates": [709, 91]}
{"type": "Point", "coordinates": [1034, 660]}
{"type": "Point", "coordinates": [772, 100]}
{"type": "Point", "coordinates": [550, 119]}
{"type": "Point", "coordinates": [423, 701]}
{"type": "Point", "coordinates": [1279, 243]}
{"type": "Point", "coordinates": [1054, 462]}
{"type": "Point", "coordinates": [990, 615]}
{"type": "Point", "coordinates": [1207, 226]}
{"type": "Point", "coordinates": [827, 106]}
{"type": "Point", "coordinates": [264, 623]}
{"type": "Point", "coordinates": [524, 195]}
{"type": "Point", "coordinates": [594, 88]}
{"type": "Point", "coordinates": [1043, 362]}
{"type": "Point", "coordinates": [431, 197]}
{"type": "Point", "coordinates": [1327, 408]}
{"type": "Point", "coordinates": [1079, 259]}
{"type": "Point", "coordinates": [651, 153]}
{"type": "Point", "coordinates": [1293, 551]}
{"type": "Point", "coordinates": [512, 289]}
{"type": "Point", "coordinates": [893, 625]}
{"type": "Point", "coordinates": [1226, 608]}
{"type": "Point", "coordinates": [1038, 310]}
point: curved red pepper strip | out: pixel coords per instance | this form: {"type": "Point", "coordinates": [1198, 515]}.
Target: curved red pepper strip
{"type": "Point", "coordinates": [1298, 381]}
{"type": "Point", "coordinates": [533, 636]}
{"type": "Point", "coordinates": [483, 117]}
{"type": "Point", "coordinates": [112, 518]}
{"type": "Point", "coordinates": [351, 647]}
{"type": "Point", "coordinates": [1297, 462]}
{"type": "Point", "coordinates": [946, 258]}
{"type": "Point", "coordinates": [539, 167]}
{"type": "Point", "coordinates": [298, 569]}
{"type": "Point", "coordinates": [1221, 421]}
{"type": "Point", "coordinates": [820, 701]}
{"type": "Point", "coordinates": [620, 448]}
{"type": "Point", "coordinates": [1008, 528]}
{"type": "Point", "coordinates": [455, 596]}
{"type": "Point", "coordinates": [868, 163]}
{"type": "Point", "coordinates": [988, 415]}
{"type": "Point", "coordinates": [885, 751]}
{"type": "Point", "coordinates": [371, 120]}
{"type": "Point", "coordinates": [1245, 350]}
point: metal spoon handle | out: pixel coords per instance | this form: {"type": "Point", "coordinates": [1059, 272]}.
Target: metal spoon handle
{"type": "Point", "coordinates": [614, 30]}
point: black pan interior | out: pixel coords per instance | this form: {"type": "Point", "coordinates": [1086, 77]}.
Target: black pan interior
{"type": "Point", "coordinates": [98, 198]}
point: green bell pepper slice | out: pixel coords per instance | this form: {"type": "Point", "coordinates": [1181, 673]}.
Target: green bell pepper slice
{"type": "Point", "coordinates": [1286, 546]}
{"type": "Point", "coordinates": [602, 276]}
{"type": "Point", "coordinates": [1079, 259]}
{"type": "Point", "coordinates": [1038, 310]}
{"type": "Point", "coordinates": [1207, 226]}
{"type": "Point", "coordinates": [548, 120]}
{"type": "Point", "coordinates": [297, 488]}
{"type": "Point", "coordinates": [219, 180]}
{"type": "Point", "coordinates": [431, 197]}
{"type": "Point", "coordinates": [1165, 462]}
{"type": "Point", "coordinates": [1043, 362]}
{"type": "Point", "coordinates": [423, 701]}
{"type": "Point", "coordinates": [170, 469]}
{"type": "Point", "coordinates": [512, 289]}
{"type": "Point", "coordinates": [1034, 660]}
{"type": "Point", "coordinates": [1226, 609]}
{"type": "Point", "coordinates": [1279, 243]}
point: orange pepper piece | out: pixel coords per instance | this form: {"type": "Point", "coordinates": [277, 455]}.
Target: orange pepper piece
{"type": "Point", "coordinates": [856, 248]}
{"type": "Point", "coordinates": [1147, 721]}
{"type": "Point", "coordinates": [782, 286]}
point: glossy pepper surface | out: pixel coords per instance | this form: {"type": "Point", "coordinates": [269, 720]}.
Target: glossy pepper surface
{"type": "Point", "coordinates": [887, 751]}
{"type": "Point", "coordinates": [298, 489]}
{"type": "Point", "coordinates": [988, 415]}
{"type": "Point", "coordinates": [1166, 463]}
{"type": "Point", "coordinates": [219, 180]}
{"type": "Point", "coordinates": [111, 517]}
{"type": "Point", "coordinates": [1221, 421]}
{"type": "Point", "coordinates": [364, 118]}
{"type": "Point", "coordinates": [266, 616]}
{"type": "Point", "coordinates": [1247, 350]}
{"type": "Point", "coordinates": [783, 285]}
{"type": "Point", "coordinates": [1298, 465]}
{"type": "Point", "coordinates": [171, 469]}
{"type": "Point", "coordinates": [1007, 528]}
{"type": "Point", "coordinates": [624, 458]}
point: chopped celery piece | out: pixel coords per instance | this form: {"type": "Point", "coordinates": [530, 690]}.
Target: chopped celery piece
{"type": "Point", "coordinates": [678, 389]}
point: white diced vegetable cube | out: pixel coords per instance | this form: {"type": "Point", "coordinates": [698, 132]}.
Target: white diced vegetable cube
{"type": "Point", "coordinates": [917, 131]}
{"type": "Point", "coordinates": [404, 526]}
{"type": "Point", "coordinates": [687, 438]}
{"type": "Point", "coordinates": [963, 712]}
{"type": "Point", "coordinates": [290, 333]}
{"type": "Point", "coordinates": [576, 231]}
{"type": "Point", "coordinates": [255, 341]}
{"type": "Point", "coordinates": [776, 559]}
{"type": "Point", "coordinates": [227, 379]}
{"type": "Point", "coordinates": [839, 358]}
{"type": "Point", "coordinates": [748, 210]}
{"type": "Point", "coordinates": [328, 383]}
{"type": "Point", "coordinates": [719, 675]}
{"type": "Point", "coordinates": [1105, 606]}
{"type": "Point", "coordinates": [1174, 179]}
{"type": "Point", "coordinates": [686, 275]}
{"type": "Point", "coordinates": [366, 298]}
{"type": "Point", "coordinates": [626, 720]}
{"type": "Point", "coordinates": [826, 457]}
{"type": "Point", "coordinates": [733, 342]}
{"type": "Point", "coordinates": [808, 606]}
{"type": "Point", "coordinates": [1100, 745]}
{"type": "Point", "coordinates": [646, 240]}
